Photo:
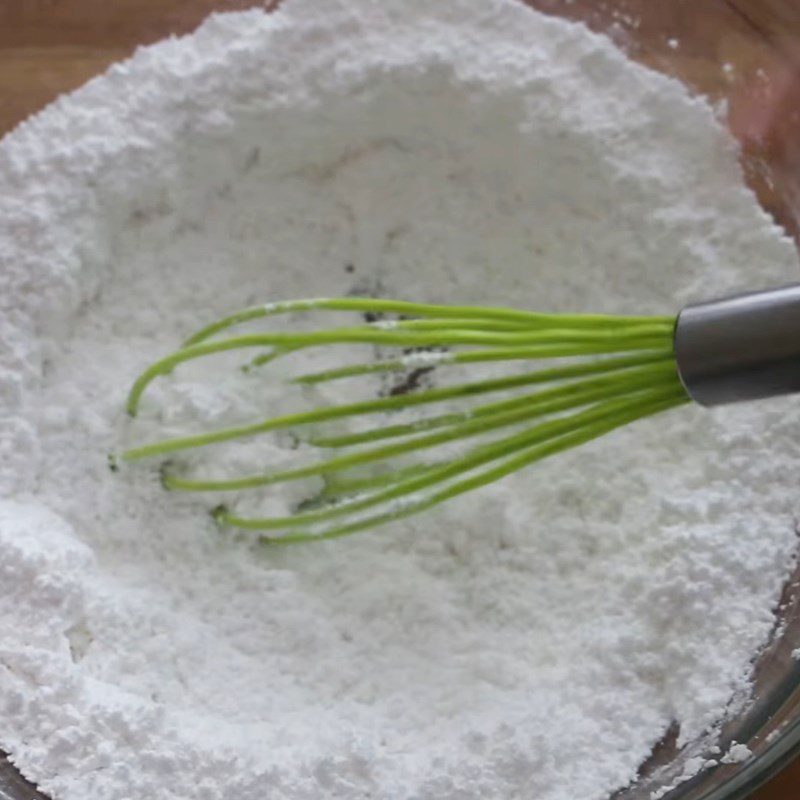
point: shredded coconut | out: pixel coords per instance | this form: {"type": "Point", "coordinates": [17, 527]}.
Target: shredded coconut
{"type": "Point", "coordinates": [534, 639]}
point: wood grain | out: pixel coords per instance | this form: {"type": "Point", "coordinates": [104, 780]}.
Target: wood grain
{"type": "Point", "coordinates": [51, 46]}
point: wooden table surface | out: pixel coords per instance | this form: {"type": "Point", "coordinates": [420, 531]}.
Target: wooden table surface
{"type": "Point", "coordinates": [51, 46]}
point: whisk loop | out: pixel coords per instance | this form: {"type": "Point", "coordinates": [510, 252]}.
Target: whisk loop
{"type": "Point", "coordinates": [622, 369]}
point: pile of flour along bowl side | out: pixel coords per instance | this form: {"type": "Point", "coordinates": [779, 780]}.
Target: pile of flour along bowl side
{"type": "Point", "coordinates": [535, 639]}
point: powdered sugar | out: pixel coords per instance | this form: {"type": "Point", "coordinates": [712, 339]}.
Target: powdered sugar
{"type": "Point", "coordinates": [736, 754]}
{"type": "Point", "coordinates": [532, 640]}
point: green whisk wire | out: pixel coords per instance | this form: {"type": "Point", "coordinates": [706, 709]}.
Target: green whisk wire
{"type": "Point", "coordinates": [518, 459]}
{"type": "Point", "coordinates": [622, 369]}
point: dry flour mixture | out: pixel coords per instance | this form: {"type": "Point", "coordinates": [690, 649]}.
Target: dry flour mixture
{"type": "Point", "coordinates": [533, 640]}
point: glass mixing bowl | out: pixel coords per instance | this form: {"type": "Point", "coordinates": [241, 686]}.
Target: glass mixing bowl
{"type": "Point", "coordinates": [745, 56]}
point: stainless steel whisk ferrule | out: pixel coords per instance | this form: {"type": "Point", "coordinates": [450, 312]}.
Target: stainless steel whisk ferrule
{"type": "Point", "coordinates": [745, 347]}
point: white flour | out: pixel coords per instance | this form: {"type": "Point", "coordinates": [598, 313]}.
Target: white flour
{"type": "Point", "coordinates": [534, 640]}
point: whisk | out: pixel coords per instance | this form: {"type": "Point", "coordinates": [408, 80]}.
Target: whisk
{"type": "Point", "coordinates": [600, 372]}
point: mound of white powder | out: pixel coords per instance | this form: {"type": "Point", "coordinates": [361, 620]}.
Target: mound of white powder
{"type": "Point", "coordinates": [532, 640]}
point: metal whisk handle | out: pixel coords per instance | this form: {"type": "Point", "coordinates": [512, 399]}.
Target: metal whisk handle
{"type": "Point", "coordinates": [745, 347]}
